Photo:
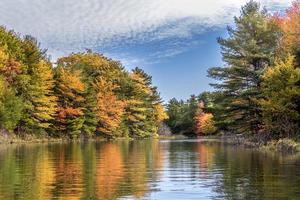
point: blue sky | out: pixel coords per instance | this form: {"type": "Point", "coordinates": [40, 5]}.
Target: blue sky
{"type": "Point", "coordinates": [173, 40]}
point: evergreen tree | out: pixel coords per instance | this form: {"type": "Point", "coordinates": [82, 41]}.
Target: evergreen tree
{"type": "Point", "coordinates": [174, 113]}
{"type": "Point", "coordinates": [181, 115]}
{"type": "Point", "coordinates": [138, 106]}
{"type": "Point", "coordinates": [90, 112]}
{"type": "Point", "coordinates": [249, 49]}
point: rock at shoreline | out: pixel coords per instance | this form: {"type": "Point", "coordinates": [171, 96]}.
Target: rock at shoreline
{"type": "Point", "coordinates": [164, 130]}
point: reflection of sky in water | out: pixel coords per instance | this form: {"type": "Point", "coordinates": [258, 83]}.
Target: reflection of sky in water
{"type": "Point", "coordinates": [186, 181]}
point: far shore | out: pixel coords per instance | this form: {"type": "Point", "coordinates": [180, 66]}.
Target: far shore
{"type": "Point", "coordinates": [284, 145]}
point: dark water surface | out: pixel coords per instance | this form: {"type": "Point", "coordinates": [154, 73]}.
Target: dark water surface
{"type": "Point", "coordinates": [146, 169]}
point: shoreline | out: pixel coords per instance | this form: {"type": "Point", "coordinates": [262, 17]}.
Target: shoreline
{"type": "Point", "coordinates": [284, 145]}
{"type": "Point", "coordinates": [33, 139]}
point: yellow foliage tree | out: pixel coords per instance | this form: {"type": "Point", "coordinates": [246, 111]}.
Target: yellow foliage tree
{"type": "Point", "coordinates": [3, 57]}
{"type": "Point", "coordinates": [282, 93]}
{"type": "Point", "coordinates": [43, 102]}
{"type": "Point", "coordinates": [110, 108]}
{"type": "Point", "coordinates": [160, 113]}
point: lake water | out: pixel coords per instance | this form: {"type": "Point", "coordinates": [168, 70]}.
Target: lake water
{"type": "Point", "coordinates": [146, 169]}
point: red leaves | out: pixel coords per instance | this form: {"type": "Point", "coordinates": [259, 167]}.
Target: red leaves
{"type": "Point", "coordinates": [11, 70]}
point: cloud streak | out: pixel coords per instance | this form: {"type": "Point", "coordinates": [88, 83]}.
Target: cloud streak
{"type": "Point", "coordinates": [72, 25]}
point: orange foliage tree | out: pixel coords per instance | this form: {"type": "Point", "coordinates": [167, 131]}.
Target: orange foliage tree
{"type": "Point", "coordinates": [109, 108]}
{"type": "Point", "coordinates": [204, 123]}
{"type": "Point", "coordinates": [290, 25]}
{"type": "Point", "coordinates": [69, 90]}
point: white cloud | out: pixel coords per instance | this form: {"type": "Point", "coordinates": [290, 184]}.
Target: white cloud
{"type": "Point", "coordinates": [71, 25]}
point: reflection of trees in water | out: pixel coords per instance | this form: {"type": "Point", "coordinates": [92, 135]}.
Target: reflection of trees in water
{"type": "Point", "coordinates": [235, 173]}
{"type": "Point", "coordinates": [68, 172]}
{"type": "Point", "coordinates": [183, 162]}
{"type": "Point", "coordinates": [181, 154]}
{"type": "Point", "coordinates": [249, 174]}
{"type": "Point", "coordinates": [45, 174]}
{"type": "Point", "coordinates": [142, 159]}
{"type": "Point", "coordinates": [125, 169]}
{"type": "Point", "coordinates": [89, 170]}
{"type": "Point", "coordinates": [26, 177]}
{"type": "Point", "coordinates": [205, 155]}
{"type": "Point", "coordinates": [110, 171]}
{"type": "Point", "coordinates": [80, 171]}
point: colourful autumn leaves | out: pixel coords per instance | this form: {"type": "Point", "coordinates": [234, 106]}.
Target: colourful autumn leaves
{"type": "Point", "coordinates": [86, 94]}
{"type": "Point", "coordinates": [204, 122]}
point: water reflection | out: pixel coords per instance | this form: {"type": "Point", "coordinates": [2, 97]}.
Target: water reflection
{"type": "Point", "coordinates": [146, 169]}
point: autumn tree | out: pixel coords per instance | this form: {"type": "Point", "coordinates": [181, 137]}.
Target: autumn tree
{"type": "Point", "coordinates": [69, 90]}
{"type": "Point", "coordinates": [160, 114]}
{"type": "Point", "coordinates": [84, 94]}
{"type": "Point", "coordinates": [12, 58]}
{"type": "Point", "coordinates": [109, 108]}
{"type": "Point", "coordinates": [14, 79]}
{"type": "Point", "coordinates": [282, 96]}
{"type": "Point", "coordinates": [103, 80]}
{"type": "Point", "coordinates": [204, 123]}
{"type": "Point", "coordinates": [42, 101]}
{"type": "Point", "coordinates": [290, 26]}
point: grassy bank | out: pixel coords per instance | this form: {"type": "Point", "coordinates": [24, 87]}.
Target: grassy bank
{"type": "Point", "coordinates": [14, 139]}
{"type": "Point", "coordinates": [7, 139]}
{"type": "Point", "coordinates": [32, 138]}
{"type": "Point", "coordinates": [172, 137]}
{"type": "Point", "coordinates": [285, 145]}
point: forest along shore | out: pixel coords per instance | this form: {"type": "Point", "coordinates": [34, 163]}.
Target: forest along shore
{"type": "Point", "coordinates": [85, 95]}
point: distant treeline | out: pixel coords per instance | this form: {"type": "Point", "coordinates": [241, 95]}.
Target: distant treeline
{"type": "Point", "coordinates": [258, 89]}
{"type": "Point", "coordinates": [85, 94]}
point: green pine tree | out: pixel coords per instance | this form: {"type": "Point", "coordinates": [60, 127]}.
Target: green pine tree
{"type": "Point", "coordinates": [248, 50]}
